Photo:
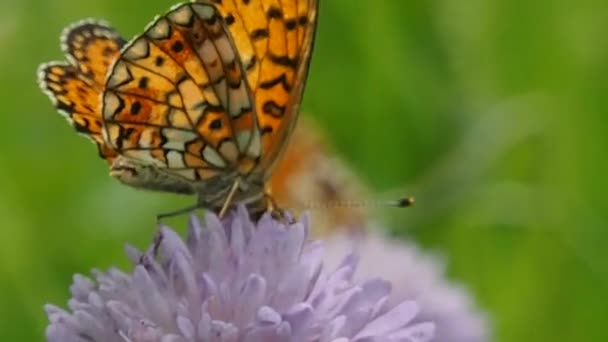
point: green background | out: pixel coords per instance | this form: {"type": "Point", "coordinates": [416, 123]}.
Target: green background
{"type": "Point", "coordinates": [493, 113]}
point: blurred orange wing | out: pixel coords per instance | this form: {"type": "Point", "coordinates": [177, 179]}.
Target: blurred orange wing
{"type": "Point", "coordinates": [310, 173]}
{"type": "Point", "coordinates": [274, 39]}
{"type": "Point", "coordinates": [75, 86]}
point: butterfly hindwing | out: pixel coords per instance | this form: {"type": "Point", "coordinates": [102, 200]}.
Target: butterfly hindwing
{"type": "Point", "coordinates": [177, 97]}
{"type": "Point", "coordinates": [75, 86]}
{"type": "Point", "coordinates": [91, 46]}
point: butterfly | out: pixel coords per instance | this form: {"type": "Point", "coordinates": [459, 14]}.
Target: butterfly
{"type": "Point", "coordinates": [202, 103]}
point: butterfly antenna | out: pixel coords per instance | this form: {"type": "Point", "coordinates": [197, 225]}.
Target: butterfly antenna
{"type": "Point", "coordinates": [403, 202]}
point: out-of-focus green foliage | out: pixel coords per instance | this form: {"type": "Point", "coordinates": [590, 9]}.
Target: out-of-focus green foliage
{"type": "Point", "coordinates": [493, 113]}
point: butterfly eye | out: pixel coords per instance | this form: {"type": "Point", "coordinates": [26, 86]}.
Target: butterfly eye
{"type": "Point", "coordinates": [123, 171]}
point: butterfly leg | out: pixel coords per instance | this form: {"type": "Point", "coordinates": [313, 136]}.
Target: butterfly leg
{"type": "Point", "coordinates": [182, 211]}
{"type": "Point", "coordinates": [277, 212]}
{"type": "Point", "coordinates": [229, 197]}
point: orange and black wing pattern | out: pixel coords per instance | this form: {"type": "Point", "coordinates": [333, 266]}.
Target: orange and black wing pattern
{"type": "Point", "coordinates": [75, 85]}
{"type": "Point", "coordinates": [177, 98]}
{"type": "Point", "coordinates": [211, 89]}
{"type": "Point", "coordinates": [274, 39]}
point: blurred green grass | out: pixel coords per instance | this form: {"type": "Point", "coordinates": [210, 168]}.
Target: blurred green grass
{"type": "Point", "coordinates": [493, 113]}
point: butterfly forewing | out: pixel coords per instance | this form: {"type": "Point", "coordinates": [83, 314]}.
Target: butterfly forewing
{"type": "Point", "coordinates": [177, 97]}
{"type": "Point", "coordinates": [274, 39]}
{"type": "Point", "coordinates": [75, 86]}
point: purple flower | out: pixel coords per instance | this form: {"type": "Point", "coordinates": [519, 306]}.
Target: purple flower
{"type": "Point", "coordinates": [234, 281]}
{"type": "Point", "coordinates": [415, 275]}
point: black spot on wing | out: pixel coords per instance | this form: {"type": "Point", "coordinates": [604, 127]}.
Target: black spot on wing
{"type": "Point", "coordinates": [282, 80]}
{"type": "Point", "coordinates": [273, 109]}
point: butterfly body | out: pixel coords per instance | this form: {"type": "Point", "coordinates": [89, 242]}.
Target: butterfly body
{"type": "Point", "coordinates": [210, 194]}
{"type": "Point", "coordinates": [203, 102]}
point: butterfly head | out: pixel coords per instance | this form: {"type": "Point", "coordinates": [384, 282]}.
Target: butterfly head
{"type": "Point", "coordinates": [143, 176]}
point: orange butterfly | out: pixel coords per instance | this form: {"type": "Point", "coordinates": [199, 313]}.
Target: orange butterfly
{"type": "Point", "coordinates": [203, 102]}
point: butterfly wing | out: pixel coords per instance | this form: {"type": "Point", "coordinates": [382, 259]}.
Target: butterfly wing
{"type": "Point", "coordinates": [177, 98]}
{"type": "Point", "coordinates": [75, 86]}
{"type": "Point", "coordinates": [274, 39]}
{"type": "Point", "coordinates": [310, 173]}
